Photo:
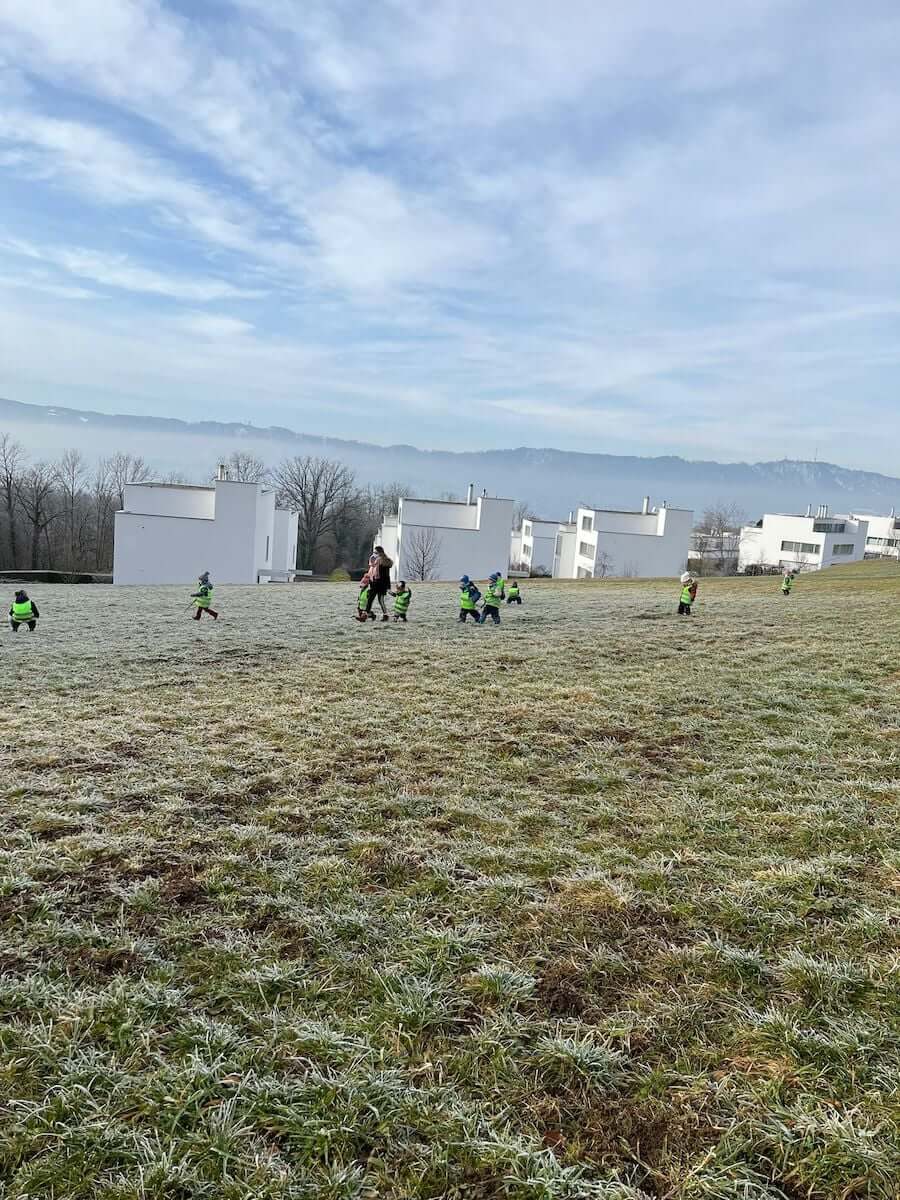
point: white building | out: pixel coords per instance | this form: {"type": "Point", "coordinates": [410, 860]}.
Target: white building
{"type": "Point", "coordinates": [802, 543]}
{"type": "Point", "coordinates": [539, 545]}
{"type": "Point", "coordinates": [169, 533]}
{"type": "Point", "coordinates": [444, 539]}
{"type": "Point", "coordinates": [647, 544]}
{"type": "Point", "coordinates": [883, 536]}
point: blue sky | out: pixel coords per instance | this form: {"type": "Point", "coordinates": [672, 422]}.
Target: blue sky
{"type": "Point", "coordinates": [645, 228]}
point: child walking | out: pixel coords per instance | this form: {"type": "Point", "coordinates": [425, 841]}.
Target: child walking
{"type": "Point", "coordinates": [202, 598]}
{"type": "Point", "coordinates": [493, 598]}
{"type": "Point", "coordinates": [23, 611]}
{"type": "Point", "coordinates": [402, 599]}
{"type": "Point", "coordinates": [513, 595]}
{"type": "Point", "coordinates": [688, 595]}
{"type": "Point", "coordinates": [787, 583]}
{"type": "Point", "coordinates": [469, 595]}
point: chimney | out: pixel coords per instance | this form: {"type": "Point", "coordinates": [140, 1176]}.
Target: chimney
{"type": "Point", "coordinates": [470, 494]}
{"type": "Point", "coordinates": [809, 510]}
{"type": "Point", "coordinates": [484, 493]}
{"type": "Point", "coordinates": [223, 473]}
{"type": "Point", "coordinates": [645, 506]}
{"type": "Point", "coordinates": [824, 510]}
{"type": "Point", "coordinates": [571, 520]}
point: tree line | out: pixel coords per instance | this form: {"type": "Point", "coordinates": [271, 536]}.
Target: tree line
{"type": "Point", "coordinates": [60, 515]}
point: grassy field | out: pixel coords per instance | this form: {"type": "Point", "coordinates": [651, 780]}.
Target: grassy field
{"type": "Point", "coordinates": [603, 903]}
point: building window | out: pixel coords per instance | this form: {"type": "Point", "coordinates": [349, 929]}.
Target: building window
{"type": "Point", "coordinates": [878, 541]}
{"type": "Point", "coordinates": [801, 547]}
{"type": "Point", "coordinates": [843, 548]}
{"type": "Point", "coordinates": [583, 573]}
{"type": "Point", "coordinates": [526, 551]}
{"type": "Point", "coordinates": [829, 527]}
{"type": "Point", "coordinates": [585, 550]}
{"type": "Point", "coordinates": [587, 524]}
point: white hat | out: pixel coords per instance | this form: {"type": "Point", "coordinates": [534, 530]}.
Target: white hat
{"type": "Point", "coordinates": [686, 577]}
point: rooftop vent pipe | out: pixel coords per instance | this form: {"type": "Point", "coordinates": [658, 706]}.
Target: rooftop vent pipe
{"type": "Point", "coordinates": [571, 520]}
{"type": "Point", "coordinates": [645, 506]}
{"type": "Point", "coordinates": [470, 494]}
{"type": "Point", "coordinates": [809, 510]}
{"type": "Point", "coordinates": [223, 473]}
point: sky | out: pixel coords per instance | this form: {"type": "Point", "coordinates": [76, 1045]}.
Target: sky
{"type": "Point", "coordinates": [642, 228]}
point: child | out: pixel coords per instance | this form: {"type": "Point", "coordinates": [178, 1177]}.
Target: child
{"type": "Point", "coordinates": [23, 611]}
{"type": "Point", "coordinates": [493, 598]}
{"type": "Point", "coordinates": [787, 583]}
{"type": "Point", "coordinates": [469, 596]}
{"type": "Point", "coordinates": [513, 596]}
{"type": "Point", "coordinates": [688, 595]}
{"type": "Point", "coordinates": [202, 598]}
{"type": "Point", "coordinates": [402, 598]}
{"type": "Point", "coordinates": [362, 600]}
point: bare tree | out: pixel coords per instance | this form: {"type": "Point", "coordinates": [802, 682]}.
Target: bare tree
{"type": "Point", "coordinates": [521, 512]}
{"type": "Point", "coordinates": [318, 490]}
{"type": "Point", "coordinates": [123, 469]}
{"type": "Point", "coordinates": [70, 476]}
{"type": "Point", "coordinates": [603, 565]}
{"type": "Point", "coordinates": [12, 465]}
{"type": "Point", "coordinates": [421, 554]}
{"type": "Point", "coordinates": [244, 467]}
{"type": "Point", "coordinates": [36, 502]}
{"type": "Point", "coordinates": [103, 501]}
{"type": "Point", "coordinates": [715, 536]}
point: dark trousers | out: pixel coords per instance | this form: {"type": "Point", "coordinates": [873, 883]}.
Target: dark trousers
{"type": "Point", "coordinates": [212, 612]}
{"type": "Point", "coordinates": [380, 596]}
{"type": "Point", "coordinates": [31, 625]}
{"type": "Point", "coordinates": [513, 599]}
{"type": "Point", "coordinates": [398, 616]}
{"type": "Point", "coordinates": [491, 611]}
{"type": "Point", "coordinates": [684, 610]}
{"type": "Point", "coordinates": [468, 612]}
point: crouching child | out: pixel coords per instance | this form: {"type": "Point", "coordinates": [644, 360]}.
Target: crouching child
{"type": "Point", "coordinates": [23, 611]}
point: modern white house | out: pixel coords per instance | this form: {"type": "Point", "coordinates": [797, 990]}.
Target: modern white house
{"type": "Point", "coordinates": [539, 545]}
{"type": "Point", "coordinates": [643, 544]}
{"type": "Point", "coordinates": [802, 543]}
{"type": "Point", "coordinates": [445, 539]}
{"type": "Point", "coordinates": [883, 536]}
{"type": "Point", "coordinates": [169, 533]}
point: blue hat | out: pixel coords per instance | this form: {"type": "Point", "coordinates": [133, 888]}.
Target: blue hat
{"type": "Point", "coordinates": [465, 579]}
{"type": "Point", "coordinates": [496, 575]}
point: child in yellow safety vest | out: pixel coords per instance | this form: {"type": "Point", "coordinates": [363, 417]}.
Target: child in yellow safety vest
{"type": "Point", "coordinates": [202, 598]}
{"type": "Point", "coordinates": [688, 595]}
{"type": "Point", "coordinates": [787, 583]}
{"type": "Point", "coordinates": [23, 611]}
{"type": "Point", "coordinates": [493, 598]}
{"type": "Point", "coordinates": [362, 600]}
{"type": "Point", "coordinates": [469, 595]}
{"type": "Point", "coordinates": [402, 599]}
{"type": "Point", "coordinates": [513, 595]}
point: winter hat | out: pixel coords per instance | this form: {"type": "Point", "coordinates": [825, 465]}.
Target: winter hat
{"type": "Point", "coordinates": [686, 577]}
{"type": "Point", "coordinates": [204, 578]}
{"type": "Point", "coordinates": [21, 597]}
{"type": "Point", "coordinates": [465, 579]}
{"type": "Point", "coordinates": [495, 577]}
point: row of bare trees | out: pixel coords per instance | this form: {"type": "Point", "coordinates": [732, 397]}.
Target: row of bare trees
{"type": "Point", "coordinates": [59, 515]}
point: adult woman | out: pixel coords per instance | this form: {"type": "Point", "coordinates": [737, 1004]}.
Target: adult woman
{"type": "Point", "coordinates": [379, 581]}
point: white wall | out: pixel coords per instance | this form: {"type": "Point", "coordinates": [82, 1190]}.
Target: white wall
{"type": "Point", "coordinates": [284, 554]}
{"type": "Point", "coordinates": [641, 545]}
{"type": "Point", "coordinates": [882, 531]}
{"type": "Point", "coordinates": [152, 550]}
{"type": "Point", "coordinates": [170, 500]}
{"type": "Point", "coordinates": [564, 558]}
{"type": "Point", "coordinates": [540, 536]}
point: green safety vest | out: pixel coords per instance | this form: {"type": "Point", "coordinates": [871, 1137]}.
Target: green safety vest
{"type": "Point", "coordinates": [401, 601]}
{"type": "Point", "coordinates": [787, 583]}
{"type": "Point", "coordinates": [465, 600]}
{"type": "Point", "coordinates": [686, 595]}
{"type": "Point", "coordinates": [513, 591]}
{"type": "Point", "coordinates": [363, 598]}
{"type": "Point", "coordinates": [494, 594]}
{"type": "Point", "coordinates": [205, 598]}
{"type": "Point", "coordinates": [22, 611]}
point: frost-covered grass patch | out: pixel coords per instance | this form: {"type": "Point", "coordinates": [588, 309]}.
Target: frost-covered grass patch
{"type": "Point", "coordinates": [602, 903]}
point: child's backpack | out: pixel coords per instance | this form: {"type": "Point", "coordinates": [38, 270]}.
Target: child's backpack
{"type": "Point", "coordinates": [474, 593]}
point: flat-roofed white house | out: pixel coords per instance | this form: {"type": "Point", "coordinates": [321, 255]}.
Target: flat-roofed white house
{"type": "Point", "coordinates": [642, 544]}
{"type": "Point", "coordinates": [169, 533]}
{"type": "Point", "coordinates": [539, 545]}
{"type": "Point", "coordinates": [802, 543]}
{"type": "Point", "coordinates": [883, 536]}
{"type": "Point", "coordinates": [445, 539]}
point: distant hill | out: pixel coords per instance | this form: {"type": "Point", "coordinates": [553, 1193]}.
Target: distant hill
{"type": "Point", "coordinates": [551, 481]}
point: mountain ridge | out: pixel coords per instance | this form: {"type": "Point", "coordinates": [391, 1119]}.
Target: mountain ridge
{"type": "Point", "coordinates": [547, 477]}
